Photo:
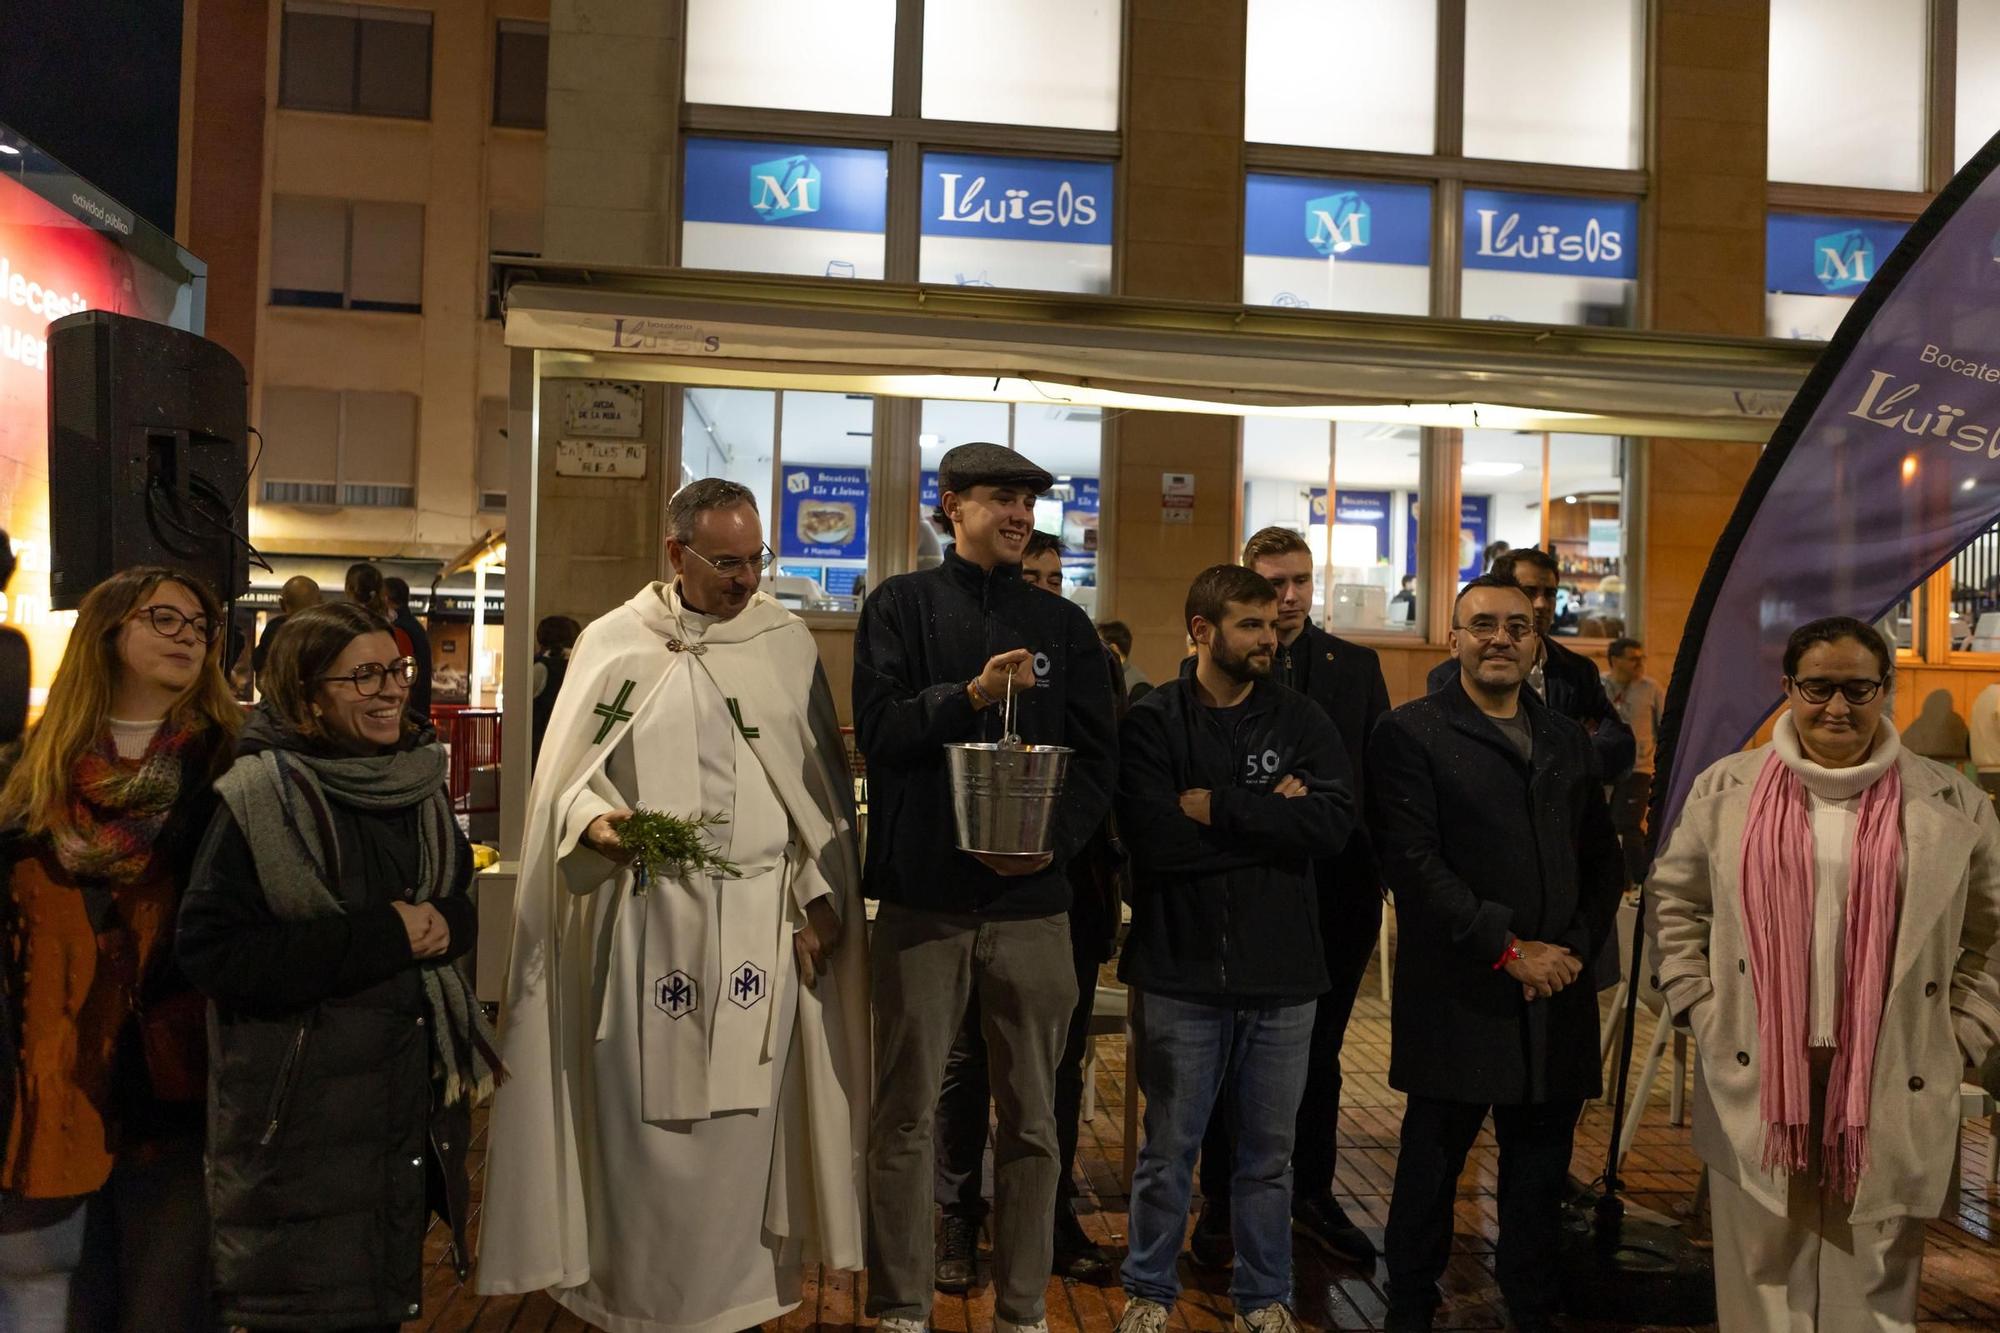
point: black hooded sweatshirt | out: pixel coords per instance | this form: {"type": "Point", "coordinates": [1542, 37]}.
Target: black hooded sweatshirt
{"type": "Point", "coordinates": [922, 637]}
{"type": "Point", "coordinates": [1228, 912]}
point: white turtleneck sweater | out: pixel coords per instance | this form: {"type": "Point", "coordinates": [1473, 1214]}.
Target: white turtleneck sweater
{"type": "Point", "coordinates": [1833, 797]}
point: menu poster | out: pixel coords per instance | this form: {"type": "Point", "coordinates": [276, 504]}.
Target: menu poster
{"type": "Point", "coordinates": [824, 513]}
{"type": "Point", "coordinates": [1473, 511]}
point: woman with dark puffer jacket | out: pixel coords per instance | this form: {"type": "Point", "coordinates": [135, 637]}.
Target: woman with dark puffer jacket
{"type": "Point", "coordinates": [326, 910]}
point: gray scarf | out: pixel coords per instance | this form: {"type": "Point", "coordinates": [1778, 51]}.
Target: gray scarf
{"type": "Point", "coordinates": [279, 798]}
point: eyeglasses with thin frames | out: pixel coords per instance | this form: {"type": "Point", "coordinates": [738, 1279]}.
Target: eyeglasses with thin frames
{"type": "Point", "coordinates": [1486, 629]}
{"type": "Point", "coordinates": [1856, 692]}
{"type": "Point", "coordinates": [167, 622]}
{"type": "Point", "coordinates": [369, 678]}
{"type": "Point", "coordinates": [729, 566]}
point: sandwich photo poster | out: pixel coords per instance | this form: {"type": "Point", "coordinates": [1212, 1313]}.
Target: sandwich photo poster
{"type": "Point", "coordinates": [824, 513]}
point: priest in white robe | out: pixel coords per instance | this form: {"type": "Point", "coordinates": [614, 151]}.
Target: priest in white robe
{"type": "Point", "coordinates": [684, 1126]}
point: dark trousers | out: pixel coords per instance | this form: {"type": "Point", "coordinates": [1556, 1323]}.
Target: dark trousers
{"type": "Point", "coordinates": [960, 1131]}
{"type": "Point", "coordinates": [1535, 1145]}
{"type": "Point", "coordinates": [1629, 798]}
{"type": "Point", "coordinates": [1349, 926]}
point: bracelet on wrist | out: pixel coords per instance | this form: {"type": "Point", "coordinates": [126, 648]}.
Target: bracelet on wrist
{"type": "Point", "coordinates": [980, 698]}
{"type": "Point", "coordinates": [1511, 954]}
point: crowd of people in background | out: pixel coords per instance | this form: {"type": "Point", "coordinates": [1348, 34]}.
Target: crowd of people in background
{"type": "Point", "coordinates": [245, 1051]}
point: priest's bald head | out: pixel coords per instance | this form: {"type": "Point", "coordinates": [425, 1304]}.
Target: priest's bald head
{"type": "Point", "coordinates": [715, 541]}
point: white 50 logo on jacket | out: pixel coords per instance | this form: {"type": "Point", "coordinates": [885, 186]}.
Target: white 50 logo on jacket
{"type": "Point", "coordinates": [1260, 769]}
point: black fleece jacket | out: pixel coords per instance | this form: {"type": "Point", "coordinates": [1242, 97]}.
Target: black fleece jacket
{"type": "Point", "coordinates": [1228, 912]}
{"type": "Point", "coordinates": [922, 637]}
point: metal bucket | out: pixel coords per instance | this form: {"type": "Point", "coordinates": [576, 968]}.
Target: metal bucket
{"type": "Point", "coordinates": [1003, 796]}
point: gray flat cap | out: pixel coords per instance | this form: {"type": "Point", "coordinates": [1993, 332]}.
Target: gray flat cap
{"type": "Point", "coordinates": [981, 464]}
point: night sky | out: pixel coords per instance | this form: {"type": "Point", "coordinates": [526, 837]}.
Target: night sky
{"type": "Point", "coordinates": [96, 83]}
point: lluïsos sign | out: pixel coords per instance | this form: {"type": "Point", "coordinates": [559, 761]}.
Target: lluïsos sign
{"type": "Point", "coordinates": [1558, 235]}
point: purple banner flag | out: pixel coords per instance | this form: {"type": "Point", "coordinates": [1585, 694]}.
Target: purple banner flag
{"type": "Point", "coordinates": [1886, 465]}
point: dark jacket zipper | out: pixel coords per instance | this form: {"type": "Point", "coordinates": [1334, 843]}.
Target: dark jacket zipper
{"type": "Point", "coordinates": [288, 1077]}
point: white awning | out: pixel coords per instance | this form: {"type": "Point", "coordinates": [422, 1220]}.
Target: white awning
{"type": "Point", "coordinates": [983, 344]}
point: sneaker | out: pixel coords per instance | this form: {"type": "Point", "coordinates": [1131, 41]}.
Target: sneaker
{"type": "Point", "coordinates": [1143, 1316]}
{"type": "Point", "coordinates": [957, 1264]}
{"type": "Point", "coordinates": [1212, 1246]}
{"type": "Point", "coordinates": [1324, 1222]}
{"type": "Point", "coordinates": [887, 1324]}
{"type": "Point", "coordinates": [1009, 1326]}
{"type": "Point", "coordinates": [1077, 1256]}
{"type": "Point", "coordinates": [1271, 1319]}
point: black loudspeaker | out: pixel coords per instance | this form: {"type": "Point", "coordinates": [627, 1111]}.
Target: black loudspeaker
{"type": "Point", "coordinates": [147, 456]}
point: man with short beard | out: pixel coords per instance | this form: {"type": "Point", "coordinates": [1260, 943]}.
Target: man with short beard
{"type": "Point", "coordinates": [1230, 788]}
{"type": "Point", "coordinates": [1490, 825]}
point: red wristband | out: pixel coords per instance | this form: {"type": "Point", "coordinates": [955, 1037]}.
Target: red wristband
{"type": "Point", "coordinates": [1509, 955]}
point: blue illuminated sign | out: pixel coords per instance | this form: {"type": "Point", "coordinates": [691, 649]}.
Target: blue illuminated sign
{"type": "Point", "coordinates": [1017, 198]}
{"type": "Point", "coordinates": [1813, 255]}
{"type": "Point", "coordinates": [786, 185]}
{"type": "Point", "coordinates": [1551, 233]}
{"type": "Point", "coordinates": [1366, 222]}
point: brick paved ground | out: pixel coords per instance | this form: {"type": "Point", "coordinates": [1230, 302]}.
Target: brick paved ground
{"type": "Point", "coordinates": [1961, 1274]}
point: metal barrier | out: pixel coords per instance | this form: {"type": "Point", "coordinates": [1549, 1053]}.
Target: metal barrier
{"type": "Point", "coordinates": [471, 737]}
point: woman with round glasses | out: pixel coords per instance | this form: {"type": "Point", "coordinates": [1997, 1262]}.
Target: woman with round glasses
{"type": "Point", "coordinates": [100, 1185]}
{"type": "Point", "coordinates": [327, 908]}
{"type": "Point", "coordinates": [1825, 919]}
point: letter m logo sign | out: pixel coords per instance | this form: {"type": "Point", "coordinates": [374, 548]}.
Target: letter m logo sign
{"type": "Point", "coordinates": [787, 187]}
{"type": "Point", "coordinates": [1337, 223]}
{"type": "Point", "coordinates": [1844, 261]}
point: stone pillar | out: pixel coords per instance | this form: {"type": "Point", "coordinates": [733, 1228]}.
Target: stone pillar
{"type": "Point", "coordinates": [1180, 235]}
{"type": "Point", "coordinates": [1707, 269]}
{"type": "Point", "coordinates": [614, 126]}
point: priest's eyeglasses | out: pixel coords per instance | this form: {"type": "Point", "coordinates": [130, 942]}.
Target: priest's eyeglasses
{"type": "Point", "coordinates": [1519, 629]}
{"type": "Point", "coordinates": [167, 622]}
{"type": "Point", "coordinates": [1854, 691]}
{"type": "Point", "coordinates": [731, 565]}
{"type": "Point", "coordinates": [368, 678]}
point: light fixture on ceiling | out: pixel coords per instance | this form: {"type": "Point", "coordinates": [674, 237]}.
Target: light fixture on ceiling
{"type": "Point", "coordinates": [10, 150]}
{"type": "Point", "coordinates": [1569, 499]}
{"type": "Point", "coordinates": [1967, 484]}
{"type": "Point", "coordinates": [1485, 469]}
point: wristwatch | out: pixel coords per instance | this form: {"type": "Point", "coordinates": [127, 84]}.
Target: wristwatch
{"type": "Point", "coordinates": [1511, 954]}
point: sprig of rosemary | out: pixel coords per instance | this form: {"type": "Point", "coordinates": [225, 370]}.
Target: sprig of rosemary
{"type": "Point", "coordinates": [669, 844]}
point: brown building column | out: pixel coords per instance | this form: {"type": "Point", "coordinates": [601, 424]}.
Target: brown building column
{"type": "Point", "coordinates": [1180, 236]}
{"type": "Point", "coordinates": [1711, 62]}
{"type": "Point", "coordinates": [219, 214]}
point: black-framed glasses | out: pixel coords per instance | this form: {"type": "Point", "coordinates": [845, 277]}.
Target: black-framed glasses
{"type": "Point", "coordinates": [731, 565]}
{"type": "Point", "coordinates": [168, 622]}
{"type": "Point", "coordinates": [368, 678]}
{"type": "Point", "coordinates": [1856, 692]}
{"type": "Point", "coordinates": [1488, 628]}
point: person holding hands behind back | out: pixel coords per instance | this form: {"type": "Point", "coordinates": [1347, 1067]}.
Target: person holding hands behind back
{"type": "Point", "coordinates": [326, 908]}
{"type": "Point", "coordinates": [935, 656]}
{"type": "Point", "coordinates": [1489, 818]}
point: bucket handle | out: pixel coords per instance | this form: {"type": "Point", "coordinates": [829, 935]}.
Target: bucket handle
{"type": "Point", "coordinates": [1007, 736]}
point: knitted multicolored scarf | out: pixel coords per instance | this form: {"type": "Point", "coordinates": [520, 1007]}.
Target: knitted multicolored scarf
{"type": "Point", "coordinates": [118, 807]}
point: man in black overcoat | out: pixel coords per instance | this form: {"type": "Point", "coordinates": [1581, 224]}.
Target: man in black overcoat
{"type": "Point", "coordinates": [1344, 679]}
{"type": "Point", "coordinates": [1492, 833]}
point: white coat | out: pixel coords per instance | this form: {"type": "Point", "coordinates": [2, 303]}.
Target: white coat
{"type": "Point", "coordinates": [1943, 1009]}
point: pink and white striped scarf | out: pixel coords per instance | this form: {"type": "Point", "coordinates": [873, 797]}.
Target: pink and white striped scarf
{"type": "Point", "coordinates": [1778, 895]}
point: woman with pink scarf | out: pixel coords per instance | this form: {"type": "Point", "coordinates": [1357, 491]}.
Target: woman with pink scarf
{"type": "Point", "coordinates": [1825, 919]}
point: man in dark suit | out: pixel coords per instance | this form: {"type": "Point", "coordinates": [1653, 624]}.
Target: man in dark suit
{"type": "Point", "coordinates": [1345, 680]}
{"type": "Point", "coordinates": [1566, 681]}
{"type": "Point", "coordinates": [1491, 828]}
{"type": "Point", "coordinates": [420, 647]}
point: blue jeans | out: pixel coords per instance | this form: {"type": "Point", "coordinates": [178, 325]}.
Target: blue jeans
{"type": "Point", "coordinates": [1187, 1052]}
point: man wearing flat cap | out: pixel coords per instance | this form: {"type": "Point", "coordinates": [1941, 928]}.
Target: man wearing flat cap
{"type": "Point", "coordinates": [934, 658]}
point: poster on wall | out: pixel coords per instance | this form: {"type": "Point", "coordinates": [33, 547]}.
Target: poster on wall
{"type": "Point", "coordinates": [1473, 512]}
{"type": "Point", "coordinates": [1079, 516]}
{"type": "Point", "coordinates": [824, 515]}
{"type": "Point", "coordinates": [64, 247]}
{"type": "Point", "coordinates": [1354, 510]}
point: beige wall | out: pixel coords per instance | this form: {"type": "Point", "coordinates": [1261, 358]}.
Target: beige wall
{"type": "Point", "coordinates": [456, 164]}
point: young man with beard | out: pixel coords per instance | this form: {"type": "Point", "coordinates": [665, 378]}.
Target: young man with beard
{"type": "Point", "coordinates": [1230, 789]}
{"type": "Point", "coordinates": [935, 655]}
{"type": "Point", "coordinates": [1490, 825]}
{"type": "Point", "coordinates": [1345, 679]}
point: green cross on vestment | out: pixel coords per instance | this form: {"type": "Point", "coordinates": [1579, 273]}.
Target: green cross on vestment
{"type": "Point", "coordinates": [614, 712]}
{"type": "Point", "coordinates": [736, 711]}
